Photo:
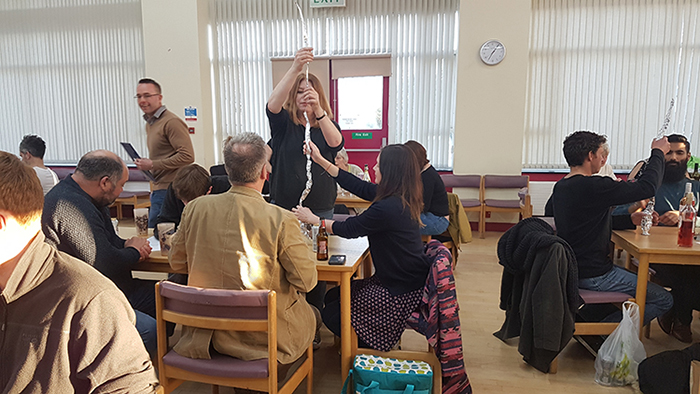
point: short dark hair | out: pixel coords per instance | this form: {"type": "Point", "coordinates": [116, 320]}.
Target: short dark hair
{"type": "Point", "coordinates": [579, 144]}
{"type": "Point", "coordinates": [96, 166]}
{"type": "Point", "coordinates": [244, 156]}
{"type": "Point", "coordinates": [190, 182]}
{"type": "Point", "coordinates": [152, 82]}
{"type": "Point", "coordinates": [419, 151]}
{"type": "Point", "coordinates": [680, 138]}
{"type": "Point", "coordinates": [34, 145]}
{"type": "Point", "coordinates": [20, 190]}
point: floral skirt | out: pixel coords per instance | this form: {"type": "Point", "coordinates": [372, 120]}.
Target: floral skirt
{"type": "Point", "coordinates": [378, 317]}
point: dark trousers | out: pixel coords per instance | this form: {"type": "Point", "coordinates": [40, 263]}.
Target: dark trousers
{"type": "Point", "coordinates": [331, 314]}
{"type": "Point", "coordinates": [683, 280]}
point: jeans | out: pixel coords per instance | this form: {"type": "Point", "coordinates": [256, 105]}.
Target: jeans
{"type": "Point", "coordinates": [157, 198]}
{"type": "Point", "coordinates": [146, 326]}
{"type": "Point", "coordinates": [434, 225]}
{"type": "Point", "coordinates": [143, 297]}
{"type": "Point", "coordinates": [324, 214]}
{"type": "Point", "coordinates": [659, 301]}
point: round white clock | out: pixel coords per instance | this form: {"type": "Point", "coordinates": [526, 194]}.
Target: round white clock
{"type": "Point", "coordinates": [492, 52]}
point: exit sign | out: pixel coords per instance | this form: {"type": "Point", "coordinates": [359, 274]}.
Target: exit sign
{"type": "Point", "coordinates": [362, 136]}
{"type": "Point", "coordinates": [326, 3]}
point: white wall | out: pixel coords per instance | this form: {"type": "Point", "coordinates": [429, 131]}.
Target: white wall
{"type": "Point", "coordinates": [176, 54]}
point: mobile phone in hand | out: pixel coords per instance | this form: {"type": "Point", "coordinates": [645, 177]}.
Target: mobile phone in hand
{"type": "Point", "coordinates": [337, 259]}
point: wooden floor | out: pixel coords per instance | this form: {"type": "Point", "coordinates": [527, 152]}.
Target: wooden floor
{"type": "Point", "coordinates": [492, 366]}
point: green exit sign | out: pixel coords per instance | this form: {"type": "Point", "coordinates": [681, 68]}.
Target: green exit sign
{"type": "Point", "coordinates": [362, 136]}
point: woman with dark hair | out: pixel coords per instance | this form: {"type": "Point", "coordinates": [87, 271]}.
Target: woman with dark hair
{"type": "Point", "coordinates": [290, 100]}
{"type": "Point", "coordinates": [436, 212]}
{"type": "Point", "coordinates": [382, 303]}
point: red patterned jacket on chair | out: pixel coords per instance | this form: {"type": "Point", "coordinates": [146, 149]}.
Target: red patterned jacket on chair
{"type": "Point", "coordinates": [437, 318]}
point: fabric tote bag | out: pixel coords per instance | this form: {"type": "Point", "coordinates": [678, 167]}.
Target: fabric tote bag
{"type": "Point", "coordinates": [382, 375]}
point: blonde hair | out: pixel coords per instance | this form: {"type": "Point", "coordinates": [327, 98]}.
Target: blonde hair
{"type": "Point", "coordinates": [291, 104]}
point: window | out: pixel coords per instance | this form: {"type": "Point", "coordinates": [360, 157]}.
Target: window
{"type": "Point", "coordinates": [420, 37]}
{"type": "Point", "coordinates": [68, 74]}
{"type": "Point", "coordinates": [361, 99]}
{"type": "Point", "coordinates": [611, 67]}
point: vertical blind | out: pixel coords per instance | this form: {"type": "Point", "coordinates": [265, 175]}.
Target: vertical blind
{"type": "Point", "coordinates": [420, 35]}
{"type": "Point", "coordinates": [68, 72]}
{"type": "Point", "coordinates": [611, 66]}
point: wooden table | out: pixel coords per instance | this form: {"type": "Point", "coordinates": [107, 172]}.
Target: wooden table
{"type": "Point", "coordinates": [357, 256]}
{"type": "Point", "coordinates": [352, 201]}
{"type": "Point", "coordinates": [660, 247]}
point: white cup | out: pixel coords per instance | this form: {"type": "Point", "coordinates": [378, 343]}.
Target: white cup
{"type": "Point", "coordinates": [165, 234]}
{"type": "Point", "coordinates": [314, 234]}
{"type": "Point", "coordinates": [141, 221]}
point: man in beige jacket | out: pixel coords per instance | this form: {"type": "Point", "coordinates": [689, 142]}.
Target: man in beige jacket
{"type": "Point", "coordinates": [236, 240]}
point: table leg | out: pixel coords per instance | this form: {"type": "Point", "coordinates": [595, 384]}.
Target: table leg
{"type": "Point", "coordinates": [345, 326]}
{"type": "Point", "coordinates": [641, 296]}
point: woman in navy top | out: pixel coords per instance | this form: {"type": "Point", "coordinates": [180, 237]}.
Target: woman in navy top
{"type": "Point", "coordinates": [382, 303]}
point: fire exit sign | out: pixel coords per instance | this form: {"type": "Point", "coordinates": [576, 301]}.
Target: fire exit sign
{"type": "Point", "coordinates": [326, 3]}
{"type": "Point", "coordinates": [362, 136]}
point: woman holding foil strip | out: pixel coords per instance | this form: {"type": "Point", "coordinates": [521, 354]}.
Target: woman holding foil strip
{"type": "Point", "coordinates": [291, 98]}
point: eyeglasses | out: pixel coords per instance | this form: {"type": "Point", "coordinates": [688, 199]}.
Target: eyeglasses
{"type": "Point", "coordinates": [146, 96]}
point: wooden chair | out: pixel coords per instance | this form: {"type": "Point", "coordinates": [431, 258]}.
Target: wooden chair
{"type": "Point", "coordinates": [236, 310]}
{"type": "Point", "coordinates": [137, 199]}
{"type": "Point", "coordinates": [581, 328]}
{"type": "Point", "coordinates": [469, 182]}
{"type": "Point", "coordinates": [695, 373]}
{"type": "Point", "coordinates": [522, 205]}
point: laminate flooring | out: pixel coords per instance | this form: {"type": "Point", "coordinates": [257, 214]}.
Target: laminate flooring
{"type": "Point", "coordinates": [492, 365]}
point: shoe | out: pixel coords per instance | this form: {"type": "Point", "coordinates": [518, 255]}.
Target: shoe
{"type": "Point", "coordinates": [317, 340]}
{"type": "Point", "coordinates": [682, 332]}
{"type": "Point", "coordinates": [666, 322]}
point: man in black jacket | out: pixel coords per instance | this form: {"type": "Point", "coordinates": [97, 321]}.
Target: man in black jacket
{"type": "Point", "coordinates": [582, 205]}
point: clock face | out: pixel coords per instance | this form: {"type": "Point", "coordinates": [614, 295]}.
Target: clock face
{"type": "Point", "coordinates": [492, 52]}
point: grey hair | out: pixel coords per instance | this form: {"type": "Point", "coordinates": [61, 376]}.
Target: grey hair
{"type": "Point", "coordinates": [343, 154]}
{"type": "Point", "coordinates": [244, 156]}
{"type": "Point", "coordinates": [94, 167]}
{"type": "Point", "coordinates": [606, 148]}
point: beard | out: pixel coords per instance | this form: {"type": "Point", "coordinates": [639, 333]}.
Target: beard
{"type": "Point", "coordinates": [675, 171]}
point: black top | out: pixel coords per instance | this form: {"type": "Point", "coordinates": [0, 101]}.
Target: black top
{"type": "Point", "coordinates": [288, 178]}
{"type": "Point", "coordinates": [394, 238]}
{"type": "Point", "coordinates": [74, 223]}
{"type": "Point", "coordinates": [434, 194]}
{"type": "Point", "coordinates": [582, 212]}
{"type": "Point", "coordinates": [172, 208]}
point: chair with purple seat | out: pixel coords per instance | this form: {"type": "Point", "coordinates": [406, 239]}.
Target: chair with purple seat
{"type": "Point", "coordinates": [468, 182]}
{"type": "Point", "coordinates": [521, 205]}
{"type": "Point", "coordinates": [231, 310]}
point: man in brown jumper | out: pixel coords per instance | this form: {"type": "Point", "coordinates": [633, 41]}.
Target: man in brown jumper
{"type": "Point", "coordinates": [168, 140]}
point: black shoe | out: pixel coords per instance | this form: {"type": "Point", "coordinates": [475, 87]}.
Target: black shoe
{"type": "Point", "coordinates": [666, 322]}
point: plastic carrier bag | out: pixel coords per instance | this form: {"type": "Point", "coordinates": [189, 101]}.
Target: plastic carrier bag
{"type": "Point", "coordinates": [382, 375]}
{"type": "Point", "coordinates": [620, 354]}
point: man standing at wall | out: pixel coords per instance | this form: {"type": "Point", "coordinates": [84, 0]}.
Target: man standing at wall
{"type": "Point", "coordinates": [31, 150]}
{"type": "Point", "coordinates": [169, 144]}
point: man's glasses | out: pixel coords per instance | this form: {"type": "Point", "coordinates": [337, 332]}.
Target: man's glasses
{"type": "Point", "coordinates": [146, 96]}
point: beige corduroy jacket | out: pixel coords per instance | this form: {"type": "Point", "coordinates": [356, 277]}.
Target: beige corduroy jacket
{"type": "Point", "coordinates": [236, 240]}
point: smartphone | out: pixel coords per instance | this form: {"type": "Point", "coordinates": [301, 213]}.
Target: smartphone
{"type": "Point", "coordinates": [337, 259]}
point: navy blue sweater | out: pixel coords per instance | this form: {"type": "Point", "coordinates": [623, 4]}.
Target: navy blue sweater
{"type": "Point", "coordinates": [394, 238]}
{"type": "Point", "coordinates": [75, 224]}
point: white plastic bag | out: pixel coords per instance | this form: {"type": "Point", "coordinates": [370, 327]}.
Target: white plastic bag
{"type": "Point", "coordinates": [620, 354]}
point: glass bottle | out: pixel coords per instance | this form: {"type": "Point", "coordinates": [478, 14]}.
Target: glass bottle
{"type": "Point", "coordinates": [365, 176]}
{"type": "Point", "coordinates": [686, 222]}
{"type": "Point", "coordinates": [696, 174]}
{"type": "Point", "coordinates": [322, 242]}
{"type": "Point", "coordinates": [647, 219]}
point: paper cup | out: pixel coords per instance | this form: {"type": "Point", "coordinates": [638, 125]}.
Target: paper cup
{"type": "Point", "coordinates": [165, 234]}
{"type": "Point", "coordinates": [115, 224]}
{"type": "Point", "coordinates": [314, 234]}
{"type": "Point", "coordinates": [141, 221]}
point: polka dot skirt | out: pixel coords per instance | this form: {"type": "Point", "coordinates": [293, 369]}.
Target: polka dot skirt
{"type": "Point", "coordinates": [378, 317]}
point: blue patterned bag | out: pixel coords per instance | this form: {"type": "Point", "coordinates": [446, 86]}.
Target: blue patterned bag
{"type": "Point", "coordinates": [381, 375]}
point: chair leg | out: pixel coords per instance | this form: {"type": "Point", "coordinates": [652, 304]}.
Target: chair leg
{"type": "Point", "coordinates": [554, 366]}
{"type": "Point", "coordinates": [482, 223]}
{"type": "Point", "coordinates": [214, 389]}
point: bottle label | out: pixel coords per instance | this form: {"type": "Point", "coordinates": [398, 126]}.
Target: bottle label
{"type": "Point", "coordinates": [322, 247]}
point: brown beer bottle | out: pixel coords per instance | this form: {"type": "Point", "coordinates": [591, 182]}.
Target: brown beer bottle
{"type": "Point", "coordinates": [322, 242]}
